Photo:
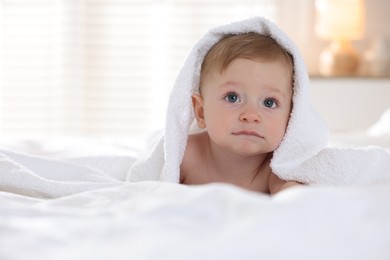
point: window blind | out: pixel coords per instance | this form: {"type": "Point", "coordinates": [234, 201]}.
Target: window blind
{"type": "Point", "coordinates": [102, 67]}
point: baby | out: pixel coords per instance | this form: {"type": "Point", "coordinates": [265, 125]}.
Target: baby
{"type": "Point", "coordinates": [243, 106]}
{"type": "Point", "coordinates": [258, 128]}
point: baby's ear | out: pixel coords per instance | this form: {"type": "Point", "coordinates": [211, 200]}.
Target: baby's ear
{"type": "Point", "coordinates": [197, 104]}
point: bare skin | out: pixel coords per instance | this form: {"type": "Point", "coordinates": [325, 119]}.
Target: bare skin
{"type": "Point", "coordinates": [205, 163]}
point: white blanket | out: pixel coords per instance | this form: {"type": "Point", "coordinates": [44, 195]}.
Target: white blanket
{"type": "Point", "coordinates": [157, 220]}
{"type": "Point", "coordinates": [44, 177]}
{"type": "Point", "coordinates": [108, 218]}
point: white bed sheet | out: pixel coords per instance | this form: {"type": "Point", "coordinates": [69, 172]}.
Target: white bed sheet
{"type": "Point", "coordinates": [156, 220]}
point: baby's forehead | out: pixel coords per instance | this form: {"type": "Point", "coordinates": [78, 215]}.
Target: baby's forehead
{"type": "Point", "coordinates": [238, 63]}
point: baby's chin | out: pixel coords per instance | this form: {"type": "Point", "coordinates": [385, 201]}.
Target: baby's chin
{"type": "Point", "coordinates": [250, 150]}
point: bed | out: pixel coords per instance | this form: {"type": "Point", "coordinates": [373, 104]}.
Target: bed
{"type": "Point", "coordinates": [159, 220]}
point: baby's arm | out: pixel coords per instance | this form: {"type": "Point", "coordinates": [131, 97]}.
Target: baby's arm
{"type": "Point", "coordinates": [276, 184]}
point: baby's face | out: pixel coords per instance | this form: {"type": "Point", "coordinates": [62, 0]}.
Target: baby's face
{"type": "Point", "coordinates": [246, 107]}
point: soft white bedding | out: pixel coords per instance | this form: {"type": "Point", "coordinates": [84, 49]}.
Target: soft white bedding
{"type": "Point", "coordinates": [157, 220]}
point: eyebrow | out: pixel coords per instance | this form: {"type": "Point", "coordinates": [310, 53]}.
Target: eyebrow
{"type": "Point", "coordinates": [228, 83]}
{"type": "Point", "coordinates": [283, 94]}
{"type": "Point", "coordinates": [270, 88]}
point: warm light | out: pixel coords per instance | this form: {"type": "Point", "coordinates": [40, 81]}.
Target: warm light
{"type": "Point", "coordinates": [339, 21]}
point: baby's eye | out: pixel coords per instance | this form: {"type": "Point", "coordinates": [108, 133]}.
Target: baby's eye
{"type": "Point", "coordinates": [232, 98]}
{"type": "Point", "coordinates": [270, 103]}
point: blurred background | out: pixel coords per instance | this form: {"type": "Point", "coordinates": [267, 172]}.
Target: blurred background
{"type": "Point", "coordinates": [104, 68]}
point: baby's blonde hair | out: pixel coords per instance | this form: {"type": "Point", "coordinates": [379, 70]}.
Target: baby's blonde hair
{"type": "Point", "coordinates": [251, 46]}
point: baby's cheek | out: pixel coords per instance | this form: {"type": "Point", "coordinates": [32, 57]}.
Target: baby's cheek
{"type": "Point", "coordinates": [277, 132]}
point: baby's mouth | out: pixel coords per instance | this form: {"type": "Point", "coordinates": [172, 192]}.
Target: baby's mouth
{"type": "Point", "coordinates": [249, 133]}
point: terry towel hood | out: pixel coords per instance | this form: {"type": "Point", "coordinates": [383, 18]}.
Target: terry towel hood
{"type": "Point", "coordinates": [302, 154]}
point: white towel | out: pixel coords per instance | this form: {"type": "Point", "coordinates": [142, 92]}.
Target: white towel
{"type": "Point", "coordinates": [303, 154]}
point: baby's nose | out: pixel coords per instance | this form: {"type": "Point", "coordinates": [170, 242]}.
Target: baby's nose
{"type": "Point", "coordinates": [250, 116]}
